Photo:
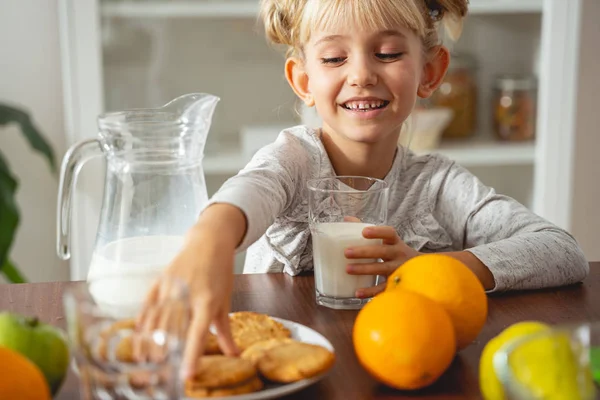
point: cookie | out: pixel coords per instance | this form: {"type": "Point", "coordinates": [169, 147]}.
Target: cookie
{"type": "Point", "coordinates": [249, 327]}
{"type": "Point", "coordinates": [258, 349]}
{"type": "Point", "coordinates": [294, 361]}
{"type": "Point", "coordinates": [219, 371]}
{"type": "Point", "coordinates": [121, 325]}
{"type": "Point", "coordinates": [250, 386]}
{"type": "Point", "coordinates": [212, 345]}
{"type": "Point", "coordinates": [124, 348]}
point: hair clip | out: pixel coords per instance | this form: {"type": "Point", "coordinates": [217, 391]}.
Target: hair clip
{"type": "Point", "coordinates": [436, 11]}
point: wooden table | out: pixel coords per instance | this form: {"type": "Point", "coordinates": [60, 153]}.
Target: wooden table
{"type": "Point", "coordinates": [293, 298]}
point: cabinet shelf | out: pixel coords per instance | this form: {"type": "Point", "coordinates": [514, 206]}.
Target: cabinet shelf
{"type": "Point", "coordinates": [249, 8]}
{"type": "Point", "coordinates": [486, 151]}
{"type": "Point", "coordinates": [481, 151]}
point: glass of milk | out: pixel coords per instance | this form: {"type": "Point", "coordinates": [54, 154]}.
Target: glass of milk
{"type": "Point", "coordinates": [102, 342]}
{"type": "Point", "coordinates": [339, 209]}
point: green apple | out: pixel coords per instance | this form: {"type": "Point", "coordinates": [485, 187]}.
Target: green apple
{"type": "Point", "coordinates": [43, 344]}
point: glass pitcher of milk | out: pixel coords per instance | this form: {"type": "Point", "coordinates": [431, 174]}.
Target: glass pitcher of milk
{"type": "Point", "coordinates": [153, 193]}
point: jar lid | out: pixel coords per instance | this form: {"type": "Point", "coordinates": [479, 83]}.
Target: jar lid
{"type": "Point", "coordinates": [515, 82]}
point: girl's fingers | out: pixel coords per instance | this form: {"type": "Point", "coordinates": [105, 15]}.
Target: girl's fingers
{"type": "Point", "coordinates": [172, 321]}
{"type": "Point", "coordinates": [141, 337]}
{"type": "Point", "coordinates": [196, 338]}
{"type": "Point", "coordinates": [226, 342]}
{"type": "Point", "coordinates": [149, 303]}
{"type": "Point", "coordinates": [166, 316]}
{"type": "Point", "coordinates": [382, 268]}
{"type": "Point", "coordinates": [372, 252]}
{"type": "Point", "coordinates": [370, 291]}
{"type": "Point", "coordinates": [387, 233]}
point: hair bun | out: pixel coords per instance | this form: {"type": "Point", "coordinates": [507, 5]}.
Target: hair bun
{"type": "Point", "coordinates": [440, 8]}
{"type": "Point", "coordinates": [278, 18]}
{"type": "Point", "coordinates": [451, 12]}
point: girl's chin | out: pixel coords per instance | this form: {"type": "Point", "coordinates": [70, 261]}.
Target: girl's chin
{"type": "Point", "coordinates": [371, 136]}
{"type": "Point", "coordinates": [369, 133]}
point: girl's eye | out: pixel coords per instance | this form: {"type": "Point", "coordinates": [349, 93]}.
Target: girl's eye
{"type": "Point", "coordinates": [333, 60]}
{"type": "Point", "coordinates": [389, 56]}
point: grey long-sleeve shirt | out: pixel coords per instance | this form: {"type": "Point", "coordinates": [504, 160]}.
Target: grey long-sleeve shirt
{"type": "Point", "coordinates": [434, 204]}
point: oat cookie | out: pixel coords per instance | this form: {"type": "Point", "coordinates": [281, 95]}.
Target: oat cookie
{"type": "Point", "coordinates": [219, 371]}
{"type": "Point", "coordinates": [212, 345]}
{"type": "Point", "coordinates": [258, 349]}
{"type": "Point", "coordinates": [295, 361]}
{"type": "Point", "coordinates": [124, 349]}
{"type": "Point", "coordinates": [251, 385]}
{"type": "Point", "coordinates": [249, 327]}
{"type": "Point", "coordinates": [121, 325]}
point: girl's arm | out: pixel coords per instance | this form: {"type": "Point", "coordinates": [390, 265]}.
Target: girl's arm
{"type": "Point", "coordinates": [505, 240]}
{"type": "Point", "coordinates": [266, 187]}
{"type": "Point", "coordinates": [236, 216]}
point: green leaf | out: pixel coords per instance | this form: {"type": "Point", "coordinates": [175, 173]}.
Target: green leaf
{"type": "Point", "coordinates": [595, 363]}
{"type": "Point", "coordinates": [34, 137]}
{"type": "Point", "coordinates": [12, 272]}
{"type": "Point", "coordinates": [9, 211]}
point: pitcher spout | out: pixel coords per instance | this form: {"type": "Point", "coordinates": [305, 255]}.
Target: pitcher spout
{"type": "Point", "coordinates": [193, 108]}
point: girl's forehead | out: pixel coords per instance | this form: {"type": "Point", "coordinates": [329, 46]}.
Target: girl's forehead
{"type": "Point", "coordinates": [350, 32]}
{"type": "Point", "coordinates": [365, 17]}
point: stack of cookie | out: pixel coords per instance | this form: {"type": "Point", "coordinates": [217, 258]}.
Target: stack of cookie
{"type": "Point", "coordinates": [268, 352]}
{"type": "Point", "coordinates": [223, 376]}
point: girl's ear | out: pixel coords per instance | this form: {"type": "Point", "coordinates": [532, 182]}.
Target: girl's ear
{"type": "Point", "coordinates": [434, 71]}
{"type": "Point", "coordinates": [298, 79]}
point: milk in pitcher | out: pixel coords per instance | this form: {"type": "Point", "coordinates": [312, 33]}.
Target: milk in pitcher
{"type": "Point", "coordinates": [122, 271]}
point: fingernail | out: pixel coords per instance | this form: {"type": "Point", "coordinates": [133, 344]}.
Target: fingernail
{"type": "Point", "coordinates": [360, 294]}
{"type": "Point", "coordinates": [349, 252]}
{"type": "Point", "coordinates": [350, 268]}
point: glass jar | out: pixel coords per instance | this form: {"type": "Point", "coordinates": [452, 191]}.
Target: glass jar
{"type": "Point", "coordinates": [514, 107]}
{"type": "Point", "coordinates": [459, 92]}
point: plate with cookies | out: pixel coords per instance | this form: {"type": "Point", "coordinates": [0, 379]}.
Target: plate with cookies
{"type": "Point", "coordinates": [278, 357]}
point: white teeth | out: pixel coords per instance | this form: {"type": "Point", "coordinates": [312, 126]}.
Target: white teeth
{"type": "Point", "coordinates": [360, 105]}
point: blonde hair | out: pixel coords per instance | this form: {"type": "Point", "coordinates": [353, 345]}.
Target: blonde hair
{"type": "Point", "coordinates": [290, 22]}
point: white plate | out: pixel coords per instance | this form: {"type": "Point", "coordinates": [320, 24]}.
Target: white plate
{"type": "Point", "coordinates": [301, 333]}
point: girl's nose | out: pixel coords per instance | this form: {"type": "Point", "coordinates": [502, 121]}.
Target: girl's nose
{"type": "Point", "coordinates": [361, 74]}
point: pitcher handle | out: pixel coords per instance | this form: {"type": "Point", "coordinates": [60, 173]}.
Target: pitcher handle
{"type": "Point", "coordinates": [72, 162]}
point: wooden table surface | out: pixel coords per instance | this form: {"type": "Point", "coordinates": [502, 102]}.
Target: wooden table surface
{"type": "Point", "coordinates": [293, 298]}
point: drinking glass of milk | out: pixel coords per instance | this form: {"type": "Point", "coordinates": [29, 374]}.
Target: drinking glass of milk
{"type": "Point", "coordinates": [113, 359]}
{"type": "Point", "coordinates": [339, 209]}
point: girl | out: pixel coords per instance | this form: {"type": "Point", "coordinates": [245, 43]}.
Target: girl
{"type": "Point", "coordinates": [362, 64]}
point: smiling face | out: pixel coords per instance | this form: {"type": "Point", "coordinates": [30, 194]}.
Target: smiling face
{"type": "Point", "coordinates": [364, 84]}
{"type": "Point", "coordinates": [363, 64]}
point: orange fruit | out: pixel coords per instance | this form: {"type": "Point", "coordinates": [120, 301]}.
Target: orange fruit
{"type": "Point", "coordinates": [449, 283]}
{"type": "Point", "coordinates": [404, 339]}
{"type": "Point", "coordinates": [20, 378]}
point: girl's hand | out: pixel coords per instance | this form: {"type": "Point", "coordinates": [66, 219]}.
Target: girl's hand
{"type": "Point", "coordinates": [205, 265]}
{"type": "Point", "coordinates": [394, 252]}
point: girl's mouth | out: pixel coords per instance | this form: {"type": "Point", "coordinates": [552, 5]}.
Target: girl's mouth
{"type": "Point", "coordinates": [365, 105]}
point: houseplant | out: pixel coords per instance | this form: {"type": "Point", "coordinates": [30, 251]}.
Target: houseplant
{"type": "Point", "coordinates": [9, 210]}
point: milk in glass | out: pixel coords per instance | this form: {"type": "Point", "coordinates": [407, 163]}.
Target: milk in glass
{"type": "Point", "coordinates": [329, 240]}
